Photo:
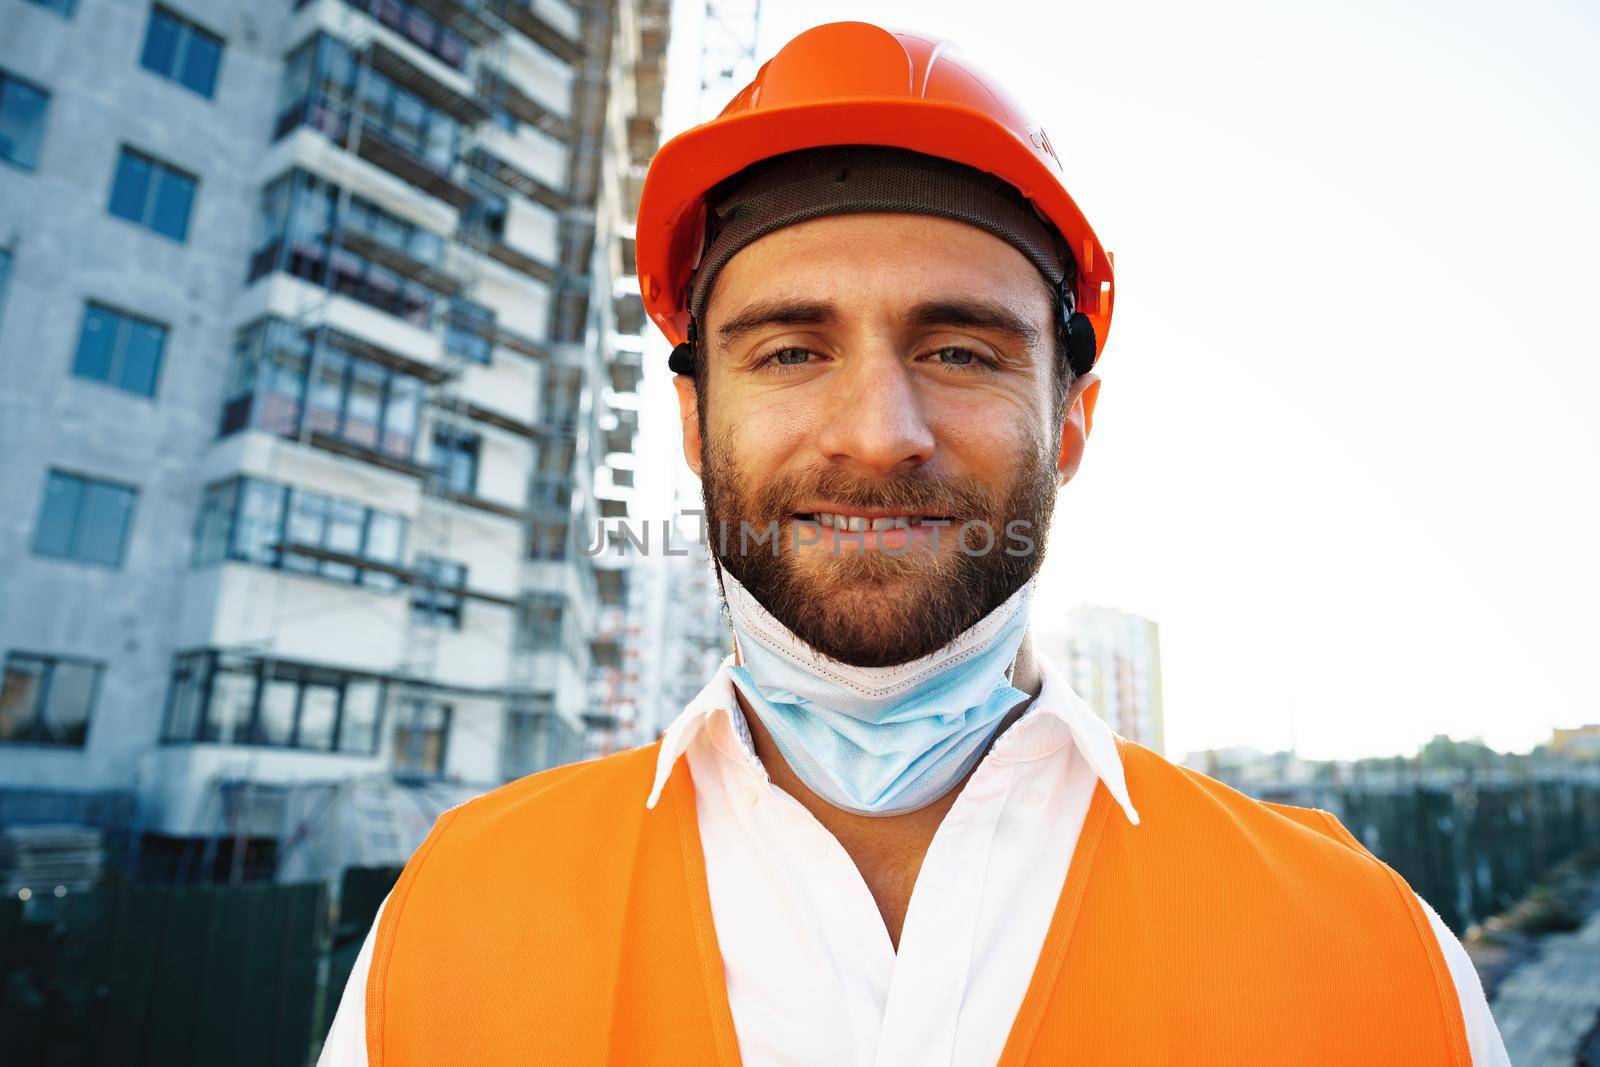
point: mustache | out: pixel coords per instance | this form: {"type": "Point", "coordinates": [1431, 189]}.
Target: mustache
{"type": "Point", "coordinates": [913, 491]}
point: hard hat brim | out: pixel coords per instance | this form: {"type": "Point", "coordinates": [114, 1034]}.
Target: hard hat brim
{"type": "Point", "coordinates": [671, 219]}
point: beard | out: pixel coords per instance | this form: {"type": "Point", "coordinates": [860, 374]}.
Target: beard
{"type": "Point", "coordinates": [879, 608]}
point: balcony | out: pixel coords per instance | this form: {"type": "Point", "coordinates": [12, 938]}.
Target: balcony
{"type": "Point", "coordinates": [552, 24]}
{"type": "Point", "coordinates": [618, 437]}
{"type": "Point", "coordinates": [612, 585]}
{"type": "Point", "coordinates": [483, 230]}
{"type": "Point", "coordinates": [407, 258]}
{"type": "Point", "coordinates": [471, 18]}
{"type": "Point", "coordinates": [626, 370]}
{"type": "Point", "coordinates": [522, 107]}
{"type": "Point", "coordinates": [629, 309]}
{"type": "Point", "coordinates": [377, 146]}
{"type": "Point", "coordinates": [380, 147]}
{"type": "Point", "coordinates": [517, 180]}
{"type": "Point", "coordinates": [394, 65]}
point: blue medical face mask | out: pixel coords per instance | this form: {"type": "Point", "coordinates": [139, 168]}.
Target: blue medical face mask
{"type": "Point", "coordinates": [878, 740]}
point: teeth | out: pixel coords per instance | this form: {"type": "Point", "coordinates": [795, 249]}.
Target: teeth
{"type": "Point", "coordinates": [861, 524]}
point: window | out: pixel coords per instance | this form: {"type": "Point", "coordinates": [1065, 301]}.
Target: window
{"type": "Point", "coordinates": [563, 398]}
{"type": "Point", "coordinates": [239, 700]}
{"type": "Point", "coordinates": [84, 519]}
{"type": "Point", "coordinates": [455, 458]}
{"type": "Point", "coordinates": [5, 277]}
{"type": "Point", "coordinates": [417, 25]}
{"type": "Point", "coordinates": [390, 230]}
{"type": "Point", "coordinates": [421, 730]}
{"type": "Point", "coordinates": [22, 107]}
{"type": "Point", "coordinates": [294, 233]}
{"type": "Point", "coordinates": [153, 194]}
{"type": "Point", "coordinates": [547, 540]}
{"type": "Point", "coordinates": [321, 90]}
{"type": "Point", "coordinates": [178, 49]}
{"type": "Point", "coordinates": [254, 521]}
{"type": "Point", "coordinates": [60, 7]}
{"type": "Point", "coordinates": [359, 402]}
{"type": "Point", "coordinates": [486, 216]}
{"type": "Point", "coordinates": [437, 592]}
{"type": "Point", "coordinates": [46, 699]}
{"type": "Point", "coordinates": [537, 738]}
{"type": "Point", "coordinates": [120, 349]}
{"type": "Point", "coordinates": [468, 331]}
{"type": "Point", "coordinates": [540, 624]}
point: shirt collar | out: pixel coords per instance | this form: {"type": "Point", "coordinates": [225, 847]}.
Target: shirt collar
{"type": "Point", "coordinates": [1056, 718]}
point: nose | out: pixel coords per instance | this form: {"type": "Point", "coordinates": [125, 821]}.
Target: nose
{"type": "Point", "coordinates": [874, 418]}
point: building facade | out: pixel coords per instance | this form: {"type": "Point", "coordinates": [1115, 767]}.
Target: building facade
{"type": "Point", "coordinates": [319, 346]}
{"type": "Point", "coordinates": [1113, 661]}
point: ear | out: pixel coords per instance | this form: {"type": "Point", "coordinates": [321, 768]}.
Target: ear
{"type": "Point", "coordinates": [689, 417]}
{"type": "Point", "coordinates": [1075, 427]}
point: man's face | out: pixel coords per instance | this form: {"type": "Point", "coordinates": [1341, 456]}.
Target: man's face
{"type": "Point", "coordinates": [888, 371]}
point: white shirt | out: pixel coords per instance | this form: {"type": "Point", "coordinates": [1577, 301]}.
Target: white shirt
{"type": "Point", "coordinates": [812, 977]}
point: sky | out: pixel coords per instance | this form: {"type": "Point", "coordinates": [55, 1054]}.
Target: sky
{"type": "Point", "coordinates": [1346, 446]}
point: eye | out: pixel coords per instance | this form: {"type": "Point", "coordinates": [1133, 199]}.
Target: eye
{"type": "Point", "coordinates": [790, 358]}
{"type": "Point", "coordinates": [957, 358]}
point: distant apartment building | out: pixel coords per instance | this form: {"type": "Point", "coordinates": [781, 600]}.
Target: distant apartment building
{"type": "Point", "coordinates": [1113, 661]}
{"type": "Point", "coordinates": [1575, 742]}
{"type": "Point", "coordinates": [319, 338]}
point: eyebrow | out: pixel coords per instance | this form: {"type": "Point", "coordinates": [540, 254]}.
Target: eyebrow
{"type": "Point", "coordinates": [967, 314]}
{"type": "Point", "coordinates": [974, 315]}
{"type": "Point", "coordinates": [776, 313]}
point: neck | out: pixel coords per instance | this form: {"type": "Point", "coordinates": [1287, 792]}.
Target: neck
{"type": "Point", "coordinates": [887, 849]}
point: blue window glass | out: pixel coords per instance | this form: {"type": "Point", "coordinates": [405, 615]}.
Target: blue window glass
{"type": "Point", "coordinates": [468, 329]}
{"type": "Point", "coordinates": [152, 194]}
{"type": "Point", "coordinates": [130, 192]}
{"type": "Point", "coordinates": [103, 523]}
{"type": "Point", "coordinates": [97, 343]}
{"type": "Point", "coordinates": [201, 62]}
{"type": "Point", "coordinates": [142, 361]}
{"type": "Point", "coordinates": [84, 519]}
{"type": "Point", "coordinates": [178, 49]}
{"type": "Point", "coordinates": [5, 277]}
{"type": "Point", "coordinates": [22, 107]}
{"type": "Point", "coordinates": [60, 7]}
{"type": "Point", "coordinates": [455, 458]}
{"type": "Point", "coordinates": [161, 40]}
{"type": "Point", "coordinates": [261, 522]}
{"type": "Point", "coordinates": [58, 517]}
{"type": "Point", "coordinates": [121, 350]}
{"type": "Point", "coordinates": [174, 195]}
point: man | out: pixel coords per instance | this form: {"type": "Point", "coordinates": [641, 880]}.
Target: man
{"type": "Point", "coordinates": [887, 832]}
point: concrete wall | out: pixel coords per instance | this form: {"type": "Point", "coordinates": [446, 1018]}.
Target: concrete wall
{"type": "Point", "coordinates": [68, 249]}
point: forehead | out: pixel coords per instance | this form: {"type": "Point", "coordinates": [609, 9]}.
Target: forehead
{"type": "Point", "coordinates": [871, 262]}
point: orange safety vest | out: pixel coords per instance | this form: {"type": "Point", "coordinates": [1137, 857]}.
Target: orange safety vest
{"type": "Point", "coordinates": [555, 920]}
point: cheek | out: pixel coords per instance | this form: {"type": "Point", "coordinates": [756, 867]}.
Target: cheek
{"type": "Point", "coordinates": [763, 437]}
{"type": "Point", "coordinates": [990, 433]}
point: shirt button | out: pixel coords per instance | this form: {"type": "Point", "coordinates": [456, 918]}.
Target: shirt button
{"type": "Point", "coordinates": [1034, 797]}
{"type": "Point", "coordinates": [817, 847]}
{"type": "Point", "coordinates": [746, 796]}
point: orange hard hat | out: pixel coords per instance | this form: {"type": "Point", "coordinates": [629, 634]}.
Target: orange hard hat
{"type": "Point", "coordinates": [853, 83]}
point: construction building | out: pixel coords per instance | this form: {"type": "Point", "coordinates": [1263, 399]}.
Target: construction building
{"type": "Point", "coordinates": [319, 350]}
{"type": "Point", "coordinates": [1113, 661]}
